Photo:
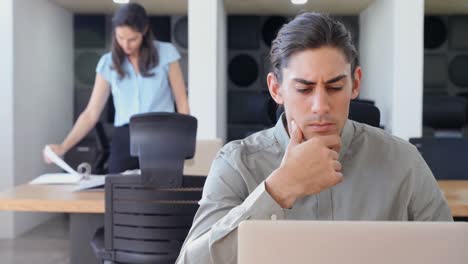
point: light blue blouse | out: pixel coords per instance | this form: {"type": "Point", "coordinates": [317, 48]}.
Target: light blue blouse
{"type": "Point", "coordinates": [135, 94]}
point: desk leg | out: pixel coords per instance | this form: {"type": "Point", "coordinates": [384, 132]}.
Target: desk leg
{"type": "Point", "coordinates": [82, 228]}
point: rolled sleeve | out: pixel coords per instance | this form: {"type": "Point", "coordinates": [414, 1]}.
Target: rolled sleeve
{"type": "Point", "coordinates": [104, 66]}
{"type": "Point", "coordinates": [427, 202]}
{"type": "Point", "coordinates": [168, 53]}
{"type": "Point", "coordinates": [213, 236]}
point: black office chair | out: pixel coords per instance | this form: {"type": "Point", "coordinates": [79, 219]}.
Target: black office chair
{"type": "Point", "coordinates": [445, 156]}
{"type": "Point", "coordinates": [445, 115]}
{"type": "Point", "coordinates": [101, 162]}
{"type": "Point", "coordinates": [362, 111]}
{"type": "Point", "coordinates": [148, 216]}
{"type": "Point", "coordinates": [446, 150]}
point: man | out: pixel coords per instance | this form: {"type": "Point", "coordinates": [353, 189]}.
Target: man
{"type": "Point", "coordinates": [315, 164]}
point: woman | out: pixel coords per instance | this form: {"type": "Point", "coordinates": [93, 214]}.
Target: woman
{"type": "Point", "coordinates": [142, 74]}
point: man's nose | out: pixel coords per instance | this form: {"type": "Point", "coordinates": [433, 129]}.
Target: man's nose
{"type": "Point", "coordinates": [320, 101]}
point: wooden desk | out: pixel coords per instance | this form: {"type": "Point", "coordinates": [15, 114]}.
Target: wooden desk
{"type": "Point", "coordinates": [456, 193]}
{"type": "Point", "coordinates": [51, 198]}
{"type": "Point", "coordinates": [60, 198]}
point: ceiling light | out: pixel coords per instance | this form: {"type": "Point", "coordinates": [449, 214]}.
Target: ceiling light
{"type": "Point", "coordinates": [121, 1]}
{"type": "Point", "coordinates": [298, 2]}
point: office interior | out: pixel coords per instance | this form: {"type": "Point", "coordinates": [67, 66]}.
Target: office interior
{"type": "Point", "coordinates": [414, 56]}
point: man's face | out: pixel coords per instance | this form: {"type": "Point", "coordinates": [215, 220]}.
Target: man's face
{"type": "Point", "coordinates": [316, 90]}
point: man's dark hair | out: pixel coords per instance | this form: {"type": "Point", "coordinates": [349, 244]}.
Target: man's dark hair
{"type": "Point", "coordinates": [310, 31]}
{"type": "Point", "coordinates": [134, 16]}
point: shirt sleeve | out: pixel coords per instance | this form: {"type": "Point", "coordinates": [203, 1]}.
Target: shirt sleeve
{"type": "Point", "coordinates": [213, 236]}
{"type": "Point", "coordinates": [427, 202]}
{"type": "Point", "coordinates": [103, 66]}
{"type": "Point", "coordinates": [168, 53]}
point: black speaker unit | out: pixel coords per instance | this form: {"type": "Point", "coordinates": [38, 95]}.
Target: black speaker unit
{"type": "Point", "coordinates": [86, 61]}
{"type": "Point", "coordinates": [180, 32]}
{"type": "Point", "coordinates": [435, 32]}
{"type": "Point", "coordinates": [161, 27]}
{"type": "Point", "coordinates": [270, 27]}
{"type": "Point", "coordinates": [458, 71]}
{"type": "Point", "coordinates": [251, 108]}
{"type": "Point", "coordinates": [180, 41]}
{"type": "Point", "coordinates": [445, 55]}
{"type": "Point", "coordinates": [458, 32]}
{"type": "Point", "coordinates": [435, 73]}
{"type": "Point", "coordinates": [244, 70]}
{"type": "Point", "coordinates": [89, 31]}
{"type": "Point", "coordinates": [243, 32]}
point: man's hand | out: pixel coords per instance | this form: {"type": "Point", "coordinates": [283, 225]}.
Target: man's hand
{"type": "Point", "coordinates": [307, 168]}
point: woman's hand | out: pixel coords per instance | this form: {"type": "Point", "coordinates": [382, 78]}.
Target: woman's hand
{"type": "Point", "coordinates": [57, 149]}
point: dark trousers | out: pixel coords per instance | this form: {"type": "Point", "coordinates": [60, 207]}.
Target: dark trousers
{"type": "Point", "coordinates": [120, 159]}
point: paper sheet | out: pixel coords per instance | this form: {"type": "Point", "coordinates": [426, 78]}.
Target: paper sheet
{"type": "Point", "coordinates": [58, 161]}
{"type": "Point", "coordinates": [57, 178]}
{"type": "Point", "coordinates": [71, 177]}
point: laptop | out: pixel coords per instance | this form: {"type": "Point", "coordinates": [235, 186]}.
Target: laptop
{"type": "Point", "coordinates": [340, 242]}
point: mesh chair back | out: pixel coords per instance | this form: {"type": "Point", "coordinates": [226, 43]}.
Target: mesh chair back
{"type": "Point", "coordinates": [148, 224]}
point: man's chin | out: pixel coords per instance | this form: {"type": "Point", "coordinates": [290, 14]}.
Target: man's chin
{"type": "Point", "coordinates": [313, 131]}
{"type": "Point", "coordinates": [308, 134]}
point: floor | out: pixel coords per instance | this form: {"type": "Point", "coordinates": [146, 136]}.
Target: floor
{"type": "Point", "coordinates": [45, 244]}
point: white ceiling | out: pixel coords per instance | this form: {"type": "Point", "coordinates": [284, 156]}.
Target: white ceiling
{"type": "Point", "coordinates": [447, 6]}
{"type": "Point", "coordinates": [259, 6]}
{"type": "Point", "coordinates": [232, 6]}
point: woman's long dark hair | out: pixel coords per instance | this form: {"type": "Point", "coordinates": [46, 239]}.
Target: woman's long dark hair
{"type": "Point", "coordinates": [134, 16]}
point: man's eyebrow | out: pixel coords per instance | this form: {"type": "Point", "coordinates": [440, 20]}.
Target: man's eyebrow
{"type": "Point", "coordinates": [332, 80]}
{"type": "Point", "coordinates": [337, 78]}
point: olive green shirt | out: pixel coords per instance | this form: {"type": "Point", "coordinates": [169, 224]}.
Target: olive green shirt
{"type": "Point", "coordinates": [384, 178]}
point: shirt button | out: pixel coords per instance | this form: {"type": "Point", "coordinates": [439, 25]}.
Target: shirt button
{"type": "Point", "coordinates": [273, 217]}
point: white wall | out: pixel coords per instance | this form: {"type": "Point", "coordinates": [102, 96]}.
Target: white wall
{"type": "Point", "coordinates": [6, 109]}
{"type": "Point", "coordinates": [376, 56]}
{"type": "Point", "coordinates": [222, 72]}
{"type": "Point", "coordinates": [41, 94]}
{"type": "Point", "coordinates": [409, 64]}
{"type": "Point", "coordinates": [391, 53]}
{"type": "Point", "coordinates": [207, 67]}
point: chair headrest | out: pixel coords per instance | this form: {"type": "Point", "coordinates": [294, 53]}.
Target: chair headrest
{"type": "Point", "coordinates": [444, 111]}
{"type": "Point", "coordinates": [162, 141]}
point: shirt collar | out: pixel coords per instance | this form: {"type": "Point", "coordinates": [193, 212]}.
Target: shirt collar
{"type": "Point", "coordinates": [283, 138]}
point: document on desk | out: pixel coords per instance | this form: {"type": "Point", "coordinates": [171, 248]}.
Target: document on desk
{"type": "Point", "coordinates": [72, 177]}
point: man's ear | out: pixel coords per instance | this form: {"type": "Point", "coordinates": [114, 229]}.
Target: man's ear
{"type": "Point", "coordinates": [274, 88]}
{"type": "Point", "coordinates": [356, 82]}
